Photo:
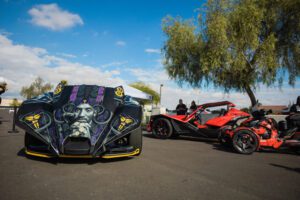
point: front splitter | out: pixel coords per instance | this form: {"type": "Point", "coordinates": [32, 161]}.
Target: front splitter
{"type": "Point", "coordinates": [106, 156]}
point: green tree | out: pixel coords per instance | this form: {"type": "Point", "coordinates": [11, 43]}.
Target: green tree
{"type": "Point", "coordinates": [3, 87]}
{"type": "Point", "coordinates": [37, 87]}
{"type": "Point", "coordinates": [147, 89]}
{"type": "Point", "coordinates": [236, 45]}
{"type": "Point", "coordinates": [15, 102]}
{"type": "Point", "coordinates": [64, 82]}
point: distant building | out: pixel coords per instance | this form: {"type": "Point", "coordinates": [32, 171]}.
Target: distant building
{"type": "Point", "coordinates": [150, 110]}
{"type": "Point", "coordinates": [276, 109]}
{"type": "Point", "coordinates": [8, 102]}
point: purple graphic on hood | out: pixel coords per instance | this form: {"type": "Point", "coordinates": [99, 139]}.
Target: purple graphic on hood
{"type": "Point", "coordinates": [83, 116]}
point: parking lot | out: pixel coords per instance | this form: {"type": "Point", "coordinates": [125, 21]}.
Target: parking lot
{"type": "Point", "coordinates": [183, 168]}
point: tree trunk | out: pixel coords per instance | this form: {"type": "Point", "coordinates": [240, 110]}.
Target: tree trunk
{"type": "Point", "coordinates": [251, 95]}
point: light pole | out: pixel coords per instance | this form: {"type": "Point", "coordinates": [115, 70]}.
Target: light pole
{"type": "Point", "coordinates": [161, 85]}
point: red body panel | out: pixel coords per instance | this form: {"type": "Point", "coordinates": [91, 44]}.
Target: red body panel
{"type": "Point", "coordinates": [264, 127]}
{"type": "Point", "coordinates": [223, 120]}
{"type": "Point", "coordinates": [200, 126]}
{"type": "Point", "coordinates": [220, 121]}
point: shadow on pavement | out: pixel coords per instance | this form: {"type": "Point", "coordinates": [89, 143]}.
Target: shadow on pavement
{"type": "Point", "coordinates": [278, 151]}
{"type": "Point", "coordinates": [184, 137]}
{"type": "Point", "coordinates": [211, 141]}
{"type": "Point", "coordinates": [217, 146]}
{"type": "Point", "coordinates": [55, 161]}
{"type": "Point", "coordinates": [220, 147]}
{"type": "Point", "coordinates": [148, 135]}
{"type": "Point", "coordinates": [287, 168]}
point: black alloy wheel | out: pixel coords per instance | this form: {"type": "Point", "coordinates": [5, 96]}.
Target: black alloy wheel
{"type": "Point", "coordinates": [245, 142]}
{"type": "Point", "coordinates": [162, 128]}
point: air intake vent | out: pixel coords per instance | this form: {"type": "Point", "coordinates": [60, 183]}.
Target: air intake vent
{"type": "Point", "coordinates": [77, 146]}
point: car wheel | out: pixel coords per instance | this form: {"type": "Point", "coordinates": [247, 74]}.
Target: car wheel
{"type": "Point", "coordinates": [136, 139]}
{"type": "Point", "coordinates": [162, 128]}
{"type": "Point", "coordinates": [245, 142]}
{"type": "Point", "coordinates": [29, 140]}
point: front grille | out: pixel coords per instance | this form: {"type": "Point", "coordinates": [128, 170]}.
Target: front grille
{"type": "Point", "coordinates": [77, 146]}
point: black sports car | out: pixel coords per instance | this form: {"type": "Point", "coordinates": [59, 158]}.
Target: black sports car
{"type": "Point", "coordinates": [82, 121]}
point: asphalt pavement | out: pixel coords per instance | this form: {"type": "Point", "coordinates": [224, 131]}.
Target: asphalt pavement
{"type": "Point", "coordinates": [183, 168]}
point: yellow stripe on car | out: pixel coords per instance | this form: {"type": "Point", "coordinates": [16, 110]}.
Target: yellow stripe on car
{"type": "Point", "coordinates": [37, 154]}
{"type": "Point", "coordinates": [137, 151]}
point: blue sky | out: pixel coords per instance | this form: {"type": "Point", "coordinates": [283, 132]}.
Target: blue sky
{"type": "Point", "coordinates": [100, 42]}
{"type": "Point", "coordinates": [136, 23]}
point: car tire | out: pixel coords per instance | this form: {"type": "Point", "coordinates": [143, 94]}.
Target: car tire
{"type": "Point", "coordinates": [245, 142]}
{"type": "Point", "coordinates": [30, 140]}
{"type": "Point", "coordinates": [26, 139]}
{"type": "Point", "coordinates": [162, 128]}
{"type": "Point", "coordinates": [136, 139]}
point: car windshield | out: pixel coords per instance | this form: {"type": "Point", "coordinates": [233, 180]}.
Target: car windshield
{"type": "Point", "coordinates": [215, 110]}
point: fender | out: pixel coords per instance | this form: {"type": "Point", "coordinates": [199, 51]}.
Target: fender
{"type": "Point", "coordinates": [126, 119]}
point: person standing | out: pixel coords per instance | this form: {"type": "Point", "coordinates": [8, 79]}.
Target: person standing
{"type": "Point", "coordinates": [193, 106]}
{"type": "Point", "coordinates": [181, 108]}
{"type": "Point", "coordinates": [2, 89]}
{"type": "Point", "coordinates": [296, 107]}
{"type": "Point", "coordinates": [293, 119]}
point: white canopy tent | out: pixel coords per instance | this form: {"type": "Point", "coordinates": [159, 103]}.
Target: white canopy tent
{"type": "Point", "coordinates": [135, 93]}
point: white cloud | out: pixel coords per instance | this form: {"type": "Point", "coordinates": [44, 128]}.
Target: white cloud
{"type": "Point", "coordinates": [20, 65]}
{"type": "Point", "coordinates": [153, 51]}
{"type": "Point", "coordinates": [67, 55]}
{"type": "Point", "coordinates": [150, 76]}
{"type": "Point", "coordinates": [97, 33]}
{"type": "Point", "coordinates": [86, 54]}
{"type": "Point", "coordinates": [171, 93]}
{"type": "Point", "coordinates": [4, 32]}
{"type": "Point", "coordinates": [121, 43]}
{"type": "Point", "coordinates": [114, 64]}
{"type": "Point", "coordinates": [2, 79]}
{"type": "Point", "coordinates": [53, 17]}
